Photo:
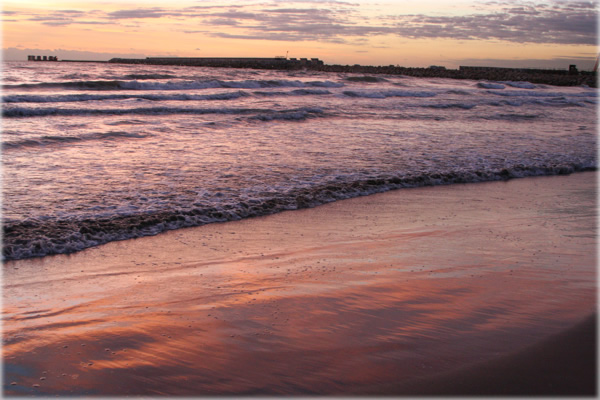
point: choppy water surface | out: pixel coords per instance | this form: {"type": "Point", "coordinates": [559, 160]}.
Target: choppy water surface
{"type": "Point", "coordinates": [97, 152]}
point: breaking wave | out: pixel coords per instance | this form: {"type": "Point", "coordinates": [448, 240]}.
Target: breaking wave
{"type": "Point", "coordinates": [35, 237]}
{"type": "Point", "coordinates": [297, 115]}
{"type": "Point", "coordinates": [368, 79]}
{"type": "Point", "coordinates": [150, 76]}
{"type": "Point", "coordinates": [141, 84]}
{"type": "Point", "coordinates": [490, 85]}
{"type": "Point", "coordinates": [49, 140]}
{"type": "Point", "coordinates": [382, 94]}
{"type": "Point", "coordinates": [16, 112]}
{"type": "Point", "coordinates": [522, 85]}
{"type": "Point", "coordinates": [73, 98]}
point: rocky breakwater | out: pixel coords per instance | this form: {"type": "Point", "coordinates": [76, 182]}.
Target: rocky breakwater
{"type": "Point", "coordinates": [226, 62]}
{"type": "Point", "coordinates": [543, 76]}
{"type": "Point", "coordinates": [557, 77]}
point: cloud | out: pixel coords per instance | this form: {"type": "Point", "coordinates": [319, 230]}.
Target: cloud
{"type": "Point", "coordinates": [565, 23]}
{"type": "Point", "coordinates": [60, 18]}
{"type": "Point", "coordinates": [554, 21]}
{"type": "Point", "coordinates": [222, 22]}
{"type": "Point", "coordinates": [144, 13]}
{"type": "Point", "coordinates": [235, 15]}
{"type": "Point", "coordinates": [520, 22]}
{"type": "Point", "coordinates": [333, 25]}
{"type": "Point", "coordinates": [265, 36]}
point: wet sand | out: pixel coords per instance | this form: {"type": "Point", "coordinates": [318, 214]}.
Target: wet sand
{"type": "Point", "coordinates": [462, 289]}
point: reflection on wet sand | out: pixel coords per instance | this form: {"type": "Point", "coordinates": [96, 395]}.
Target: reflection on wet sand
{"type": "Point", "coordinates": [378, 290]}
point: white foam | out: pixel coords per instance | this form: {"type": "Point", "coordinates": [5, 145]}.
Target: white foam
{"type": "Point", "coordinates": [382, 94]}
{"type": "Point", "coordinates": [522, 85]}
{"type": "Point", "coordinates": [490, 85]}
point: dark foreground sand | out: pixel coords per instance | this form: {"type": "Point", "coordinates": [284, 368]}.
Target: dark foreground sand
{"type": "Point", "coordinates": [466, 289]}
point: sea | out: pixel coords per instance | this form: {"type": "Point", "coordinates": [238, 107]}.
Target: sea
{"type": "Point", "coordinates": [98, 152]}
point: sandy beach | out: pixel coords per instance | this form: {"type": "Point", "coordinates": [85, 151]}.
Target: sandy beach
{"type": "Point", "coordinates": [485, 288]}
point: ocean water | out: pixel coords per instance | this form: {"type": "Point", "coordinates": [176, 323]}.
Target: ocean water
{"type": "Point", "coordinates": [95, 152]}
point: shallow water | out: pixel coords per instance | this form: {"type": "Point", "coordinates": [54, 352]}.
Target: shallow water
{"type": "Point", "coordinates": [94, 153]}
{"type": "Point", "coordinates": [334, 300]}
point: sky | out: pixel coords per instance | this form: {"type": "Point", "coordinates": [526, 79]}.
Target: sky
{"type": "Point", "coordinates": [409, 33]}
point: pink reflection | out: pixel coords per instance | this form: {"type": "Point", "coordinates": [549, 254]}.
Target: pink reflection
{"type": "Point", "coordinates": [291, 314]}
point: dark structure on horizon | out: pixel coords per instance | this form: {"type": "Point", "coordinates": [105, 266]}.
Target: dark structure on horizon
{"type": "Point", "coordinates": [229, 62]}
{"type": "Point", "coordinates": [558, 77]}
{"type": "Point", "coordinates": [42, 58]}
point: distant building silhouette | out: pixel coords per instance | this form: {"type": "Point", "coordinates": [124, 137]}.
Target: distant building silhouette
{"type": "Point", "coordinates": [42, 58]}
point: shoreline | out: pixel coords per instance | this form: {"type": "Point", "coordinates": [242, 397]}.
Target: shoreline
{"type": "Point", "coordinates": [382, 291]}
{"type": "Point", "coordinates": [310, 198]}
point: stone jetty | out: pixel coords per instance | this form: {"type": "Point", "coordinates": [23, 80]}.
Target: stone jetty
{"type": "Point", "coordinates": [227, 62]}
{"type": "Point", "coordinates": [559, 77]}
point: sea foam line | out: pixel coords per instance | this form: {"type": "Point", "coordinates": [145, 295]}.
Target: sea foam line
{"type": "Point", "coordinates": [37, 237]}
{"type": "Point", "coordinates": [175, 85]}
{"type": "Point", "coordinates": [49, 140]}
{"type": "Point", "coordinates": [75, 98]}
{"type": "Point", "coordinates": [16, 112]}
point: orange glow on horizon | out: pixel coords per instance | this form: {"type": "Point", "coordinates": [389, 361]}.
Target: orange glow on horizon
{"type": "Point", "coordinates": [406, 33]}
